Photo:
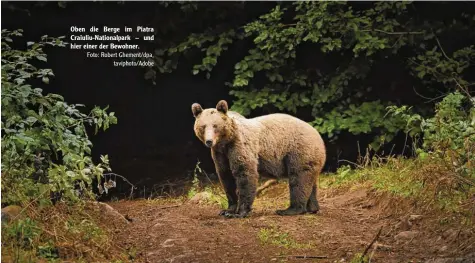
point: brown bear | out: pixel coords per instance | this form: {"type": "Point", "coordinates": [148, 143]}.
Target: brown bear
{"type": "Point", "coordinates": [275, 144]}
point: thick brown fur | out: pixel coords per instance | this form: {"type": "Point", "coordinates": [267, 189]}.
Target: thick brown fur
{"type": "Point", "coordinates": [274, 144]}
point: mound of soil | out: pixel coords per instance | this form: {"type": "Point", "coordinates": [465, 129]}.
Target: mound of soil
{"type": "Point", "coordinates": [345, 227]}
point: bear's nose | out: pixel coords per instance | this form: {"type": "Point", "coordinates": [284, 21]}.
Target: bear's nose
{"type": "Point", "coordinates": [209, 143]}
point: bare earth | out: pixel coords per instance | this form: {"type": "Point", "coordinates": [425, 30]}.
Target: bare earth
{"type": "Point", "coordinates": [346, 225]}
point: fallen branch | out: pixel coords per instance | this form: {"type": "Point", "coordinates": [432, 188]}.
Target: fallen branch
{"type": "Point", "coordinates": [110, 212]}
{"type": "Point", "coordinates": [371, 244]}
{"type": "Point", "coordinates": [304, 257]}
{"type": "Point", "coordinates": [267, 184]}
{"type": "Point", "coordinates": [372, 252]}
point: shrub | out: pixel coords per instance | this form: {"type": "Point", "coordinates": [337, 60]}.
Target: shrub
{"type": "Point", "coordinates": [45, 146]}
{"type": "Point", "coordinates": [449, 133]}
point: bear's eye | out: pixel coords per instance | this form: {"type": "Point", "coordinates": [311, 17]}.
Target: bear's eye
{"type": "Point", "coordinates": [215, 126]}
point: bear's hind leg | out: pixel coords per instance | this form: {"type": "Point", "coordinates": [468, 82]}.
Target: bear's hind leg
{"type": "Point", "coordinates": [301, 182]}
{"type": "Point", "coordinates": [312, 204]}
{"type": "Point", "coordinates": [300, 192]}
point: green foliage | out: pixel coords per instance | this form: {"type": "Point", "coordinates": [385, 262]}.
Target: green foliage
{"type": "Point", "coordinates": [45, 146]}
{"type": "Point", "coordinates": [350, 40]}
{"type": "Point", "coordinates": [59, 233]}
{"type": "Point", "coordinates": [196, 181]}
{"type": "Point", "coordinates": [358, 258]}
{"type": "Point", "coordinates": [48, 251]}
{"type": "Point", "coordinates": [20, 236]}
{"type": "Point", "coordinates": [435, 66]}
{"type": "Point", "coordinates": [22, 233]}
{"type": "Point", "coordinates": [85, 229]}
{"type": "Point", "coordinates": [450, 133]}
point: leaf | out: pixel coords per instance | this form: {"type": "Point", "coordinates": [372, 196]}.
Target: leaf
{"type": "Point", "coordinates": [31, 119]}
{"type": "Point", "coordinates": [62, 4]}
{"type": "Point", "coordinates": [319, 24]}
{"type": "Point", "coordinates": [272, 77]}
{"type": "Point", "coordinates": [45, 80]}
{"type": "Point", "coordinates": [42, 58]}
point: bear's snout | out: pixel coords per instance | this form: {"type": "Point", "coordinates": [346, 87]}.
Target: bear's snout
{"type": "Point", "coordinates": [209, 143]}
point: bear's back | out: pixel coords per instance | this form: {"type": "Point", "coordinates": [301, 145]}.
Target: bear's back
{"type": "Point", "coordinates": [276, 126]}
{"type": "Point", "coordinates": [285, 123]}
{"type": "Point", "coordinates": [280, 135]}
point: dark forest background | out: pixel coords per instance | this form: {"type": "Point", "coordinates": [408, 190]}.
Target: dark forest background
{"type": "Point", "coordinates": [154, 139]}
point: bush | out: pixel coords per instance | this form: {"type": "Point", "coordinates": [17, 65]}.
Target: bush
{"type": "Point", "coordinates": [449, 134]}
{"type": "Point", "coordinates": [45, 146]}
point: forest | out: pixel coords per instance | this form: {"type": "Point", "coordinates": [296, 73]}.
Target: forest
{"type": "Point", "coordinates": [101, 163]}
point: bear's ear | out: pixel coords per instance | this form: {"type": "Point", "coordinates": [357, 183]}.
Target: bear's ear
{"type": "Point", "coordinates": [196, 109]}
{"type": "Point", "coordinates": [222, 106]}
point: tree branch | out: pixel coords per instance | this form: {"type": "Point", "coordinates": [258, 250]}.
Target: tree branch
{"type": "Point", "coordinates": [286, 25]}
{"type": "Point", "coordinates": [441, 49]}
{"type": "Point", "coordinates": [125, 179]}
{"type": "Point", "coordinates": [462, 88]}
{"type": "Point", "coordinates": [393, 33]}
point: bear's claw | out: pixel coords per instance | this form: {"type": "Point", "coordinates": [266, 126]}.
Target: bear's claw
{"type": "Point", "coordinates": [223, 212]}
{"type": "Point", "coordinates": [228, 214]}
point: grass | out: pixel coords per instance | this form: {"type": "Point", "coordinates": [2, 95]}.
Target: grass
{"type": "Point", "coordinates": [53, 234]}
{"type": "Point", "coordinates": [272, 236]}
{"type": "Point", "coordinates": [213, 191]}
{"type": "Point", "coordinates": [357, 258]}
{"type": "Point", "coordinates": [421, 180]}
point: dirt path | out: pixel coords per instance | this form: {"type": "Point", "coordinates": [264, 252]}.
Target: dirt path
{"type": "Point", "coordinates": [347, 223]}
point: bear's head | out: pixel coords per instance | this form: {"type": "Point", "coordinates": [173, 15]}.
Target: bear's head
{"type": "Point", "coordinates": [213, 126]}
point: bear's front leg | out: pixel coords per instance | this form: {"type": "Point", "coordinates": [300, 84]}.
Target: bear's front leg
{"type": "Point", "coordinates": [228, 182]}
{"type": "Point", "coordinates": [246, 179]}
